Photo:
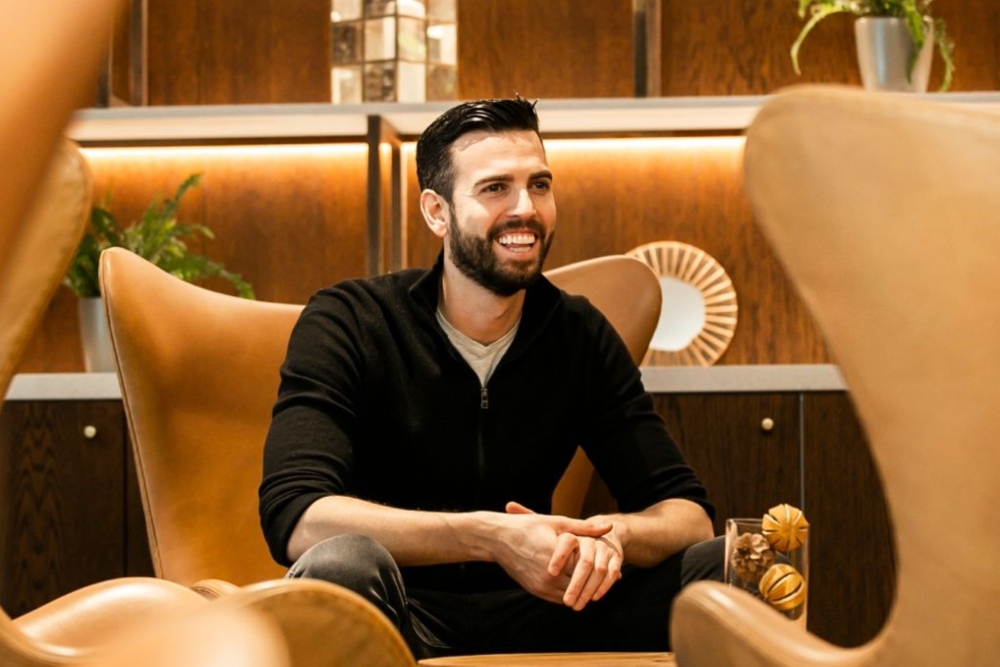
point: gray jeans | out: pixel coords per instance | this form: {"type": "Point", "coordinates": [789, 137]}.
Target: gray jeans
{"type": "Point", "coordinates": [633, 616]}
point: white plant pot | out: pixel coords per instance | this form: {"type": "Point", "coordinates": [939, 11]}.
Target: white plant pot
{"type": "Point", "coordinates": [95, 337]}
{"type": "Point", "coordinates": [885, 48]}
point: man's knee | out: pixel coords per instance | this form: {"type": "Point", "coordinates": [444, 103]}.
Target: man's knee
{"type": "Point", "coordinates": [353, 561]}
{"type": "Point", "coordinates": [704, 561]}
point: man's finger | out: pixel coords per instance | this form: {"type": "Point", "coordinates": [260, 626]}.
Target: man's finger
{"type": "Point", "coordinates": [514, 507]}
{"type": "Point", "coordinates": [566, 545]}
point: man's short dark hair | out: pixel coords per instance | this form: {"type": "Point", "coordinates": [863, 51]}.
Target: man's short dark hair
{"type": "Point", "coordinates": [434, 166]}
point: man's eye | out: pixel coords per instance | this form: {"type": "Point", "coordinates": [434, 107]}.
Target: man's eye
{"type": "Point", "coordinates": [542, 186]}
{"type": "Point", "coordinates": [494, 187]}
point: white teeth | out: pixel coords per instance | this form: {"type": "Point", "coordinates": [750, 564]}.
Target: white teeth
{"type": "Point", "coordinates": [516, 239]}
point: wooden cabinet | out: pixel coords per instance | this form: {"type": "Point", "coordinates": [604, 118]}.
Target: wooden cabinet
{"type": "Point", "coordinates": [754, 451]}
{"type": "Point", "coordinates": [68, 502]}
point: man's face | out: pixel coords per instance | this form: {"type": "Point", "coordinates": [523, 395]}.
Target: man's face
{"type": "Point", "coordinates": [503, 215]}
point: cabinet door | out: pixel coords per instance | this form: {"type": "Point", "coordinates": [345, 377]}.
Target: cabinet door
{"type": "Point", "coordinates": [851, 553]}
{"type": "Point", "coordinates": [747, 463]}
{"type": "Point", "coordinates": [62, 499]}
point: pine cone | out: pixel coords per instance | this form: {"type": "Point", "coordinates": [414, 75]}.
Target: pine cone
{"type": "Point", "coordinates": [751, 556]}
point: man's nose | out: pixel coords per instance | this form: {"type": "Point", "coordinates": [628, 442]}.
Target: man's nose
{"type": "Point", "coordinates": [523, 205]}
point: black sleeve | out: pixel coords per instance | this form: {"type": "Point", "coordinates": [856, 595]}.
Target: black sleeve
{"type": "Point", "coordinates": [308, 450]}
{"type": "Point", "coordinates": [627, 440]}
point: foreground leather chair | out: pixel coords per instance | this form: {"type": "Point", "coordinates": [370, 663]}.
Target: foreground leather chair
{"type": "Point", "coordinates": [319, 624]}
{"type": "Point", "coordinates": [884, 212]}
{"type": "Point", "coordinates": [38, 250]}
{"type": "Point", "coordinates": [199, 375]}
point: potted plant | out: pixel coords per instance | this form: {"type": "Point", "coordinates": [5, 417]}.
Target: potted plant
{"type": "Point", "coordinates": [904, 22]}
{"type": "Point", "coordinates": [158, 237]}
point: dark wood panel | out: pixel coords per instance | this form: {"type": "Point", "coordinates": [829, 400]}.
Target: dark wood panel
{"type": "Point", "coordinates": [680, 189]}
{"type": "Point", "coordinates": [230, 52]}
{"type": "Point", "coordinates": [734, 47]}
{"type": "Point", "coordinates": [290, 222]}
{"type": "Point", "coordinates": [745, 468]}
{"type": "Point", "coordinates": [557, 48]}
{"type": "Point", "coordinates": [238, 51]}
{"type": "Point", "coordinates": [61, 499]}
{"type": "Point", "coordinates": [852, 570]}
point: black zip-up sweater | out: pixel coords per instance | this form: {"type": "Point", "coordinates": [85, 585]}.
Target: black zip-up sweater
{"type": "Point", "coordinates": [376, 403]}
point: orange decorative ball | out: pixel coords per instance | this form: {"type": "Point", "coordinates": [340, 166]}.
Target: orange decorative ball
{"type": "Point", "coordinates": [785, 527]}
{"type": "Point", "coordinates": [783, 587]}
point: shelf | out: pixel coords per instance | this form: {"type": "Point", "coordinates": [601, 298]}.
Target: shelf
{"type": "Point", "coordinates": [559, 116]}
{"type": "Point", "coordinates": [657, 379]}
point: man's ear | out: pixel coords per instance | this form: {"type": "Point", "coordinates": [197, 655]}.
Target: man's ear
{"type": "Point", "coordinates": [435, 211]}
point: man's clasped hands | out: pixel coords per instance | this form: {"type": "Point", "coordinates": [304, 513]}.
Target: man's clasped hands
{"type": "Point", "coordinates": [563, 560]}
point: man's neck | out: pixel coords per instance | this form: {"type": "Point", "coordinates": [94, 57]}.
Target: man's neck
{"type": "Point", "coordinates": [474, 310]}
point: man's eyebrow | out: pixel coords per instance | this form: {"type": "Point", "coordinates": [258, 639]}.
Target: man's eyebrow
{"type": "Point", "coordinates": [507, 178]}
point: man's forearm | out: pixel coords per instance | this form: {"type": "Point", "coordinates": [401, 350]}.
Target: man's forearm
{"type": "Point", "coordinates": [412, 537]}
{"type": "Point", "coordinates": [432, 538]}
{"type": "Point", "coordinates": [652, 535]}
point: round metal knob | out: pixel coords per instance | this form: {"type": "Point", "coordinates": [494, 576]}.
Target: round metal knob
{"type": "Point", "coordinates": [767, 425]}
{"type": "Point", "coordinates": [89, 432]}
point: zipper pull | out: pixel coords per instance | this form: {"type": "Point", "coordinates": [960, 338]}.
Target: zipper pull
{"type": "Point", "coordinates": [484, 399]}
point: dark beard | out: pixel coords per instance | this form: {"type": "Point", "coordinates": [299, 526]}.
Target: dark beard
{"type": "Point", "coordinates": [474, 257]}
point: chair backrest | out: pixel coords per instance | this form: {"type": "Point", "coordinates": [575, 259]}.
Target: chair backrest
{"type": "Point", "coordinates": [199, 376]}
{"type": "Point", "coordinates": [885, 211]}
{"type": "Point", "coordinates": [50, 51]}
{"type": "Point", "coordinates": [38, 252]}
{"type": "Point", "coordinates": [627, 292]}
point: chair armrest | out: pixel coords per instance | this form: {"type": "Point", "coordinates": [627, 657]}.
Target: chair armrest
{"type": "Point", "coordinates": [213, 589]}
{"type": "Point", "coordinates": [715, 624]}
{"type": "Point", "coordinates": [310, 612]}
{"type": "Point", "coordinates": [94, 615]}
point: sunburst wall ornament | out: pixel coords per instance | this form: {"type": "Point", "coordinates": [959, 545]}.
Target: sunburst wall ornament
{"type": "Point", "coordinates": [700, 308]}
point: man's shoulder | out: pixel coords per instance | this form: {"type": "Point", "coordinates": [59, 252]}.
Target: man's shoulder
{"type": "Point", "coordinates": [389, 286]}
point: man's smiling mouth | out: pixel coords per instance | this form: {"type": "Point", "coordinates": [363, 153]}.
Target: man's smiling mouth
{"type": "Point", "coordinates": [518, 242]}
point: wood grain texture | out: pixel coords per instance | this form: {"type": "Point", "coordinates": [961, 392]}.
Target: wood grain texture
{"type": "Point", "coordinates": [230, 52]}
{"type": "Point", "coordinates": [61, 499]}
{"type": "Point", "coordinates": [734, 47]}
{"type": "Point", "coordinates": [745, 468]}
{"type": "Point", "coordinates": [557, 48]}
{"type": "Point", "coordinates": [238, 51]}
{"type": "Point", "coordinates": [852, 571]}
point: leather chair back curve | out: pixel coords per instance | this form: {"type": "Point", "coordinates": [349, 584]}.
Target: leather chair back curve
{"type": "Point", "coordinates": [38, 252]}
{"type": "Point", "coordinates": [883, 210]}
{"type": "Point", "coordinates": [199, 375]}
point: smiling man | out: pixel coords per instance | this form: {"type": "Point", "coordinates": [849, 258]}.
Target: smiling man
{"type": "Point", "coordinates": [425, 417]}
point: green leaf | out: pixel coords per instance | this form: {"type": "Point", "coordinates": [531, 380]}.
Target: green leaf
{"type": "Point", "coordinates": [157, 236]}
{"type": "Point", "coordinates": [819, 12]}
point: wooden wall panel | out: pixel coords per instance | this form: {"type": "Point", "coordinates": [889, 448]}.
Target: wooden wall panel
{"type": "Point", "coordinates": [557, 48]}
{"type": "Point", "coordinates": [680, 189]}
{"type": "Point", "coordinates": [252, 51]}
{"type": "Point", "coordinates": [238, 51]}
{"type": "Point", "coordinates": [290, 222]}
{"type": "Point", "coordinates": [734, 47]}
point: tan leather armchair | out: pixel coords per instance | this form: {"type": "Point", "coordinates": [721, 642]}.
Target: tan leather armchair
{"type": "Point", "coordinates": [199, 376]}
{"type": "Point", "coordinates": [884, 211]}
{"type": "Point", "coordinates": [318, 624]}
